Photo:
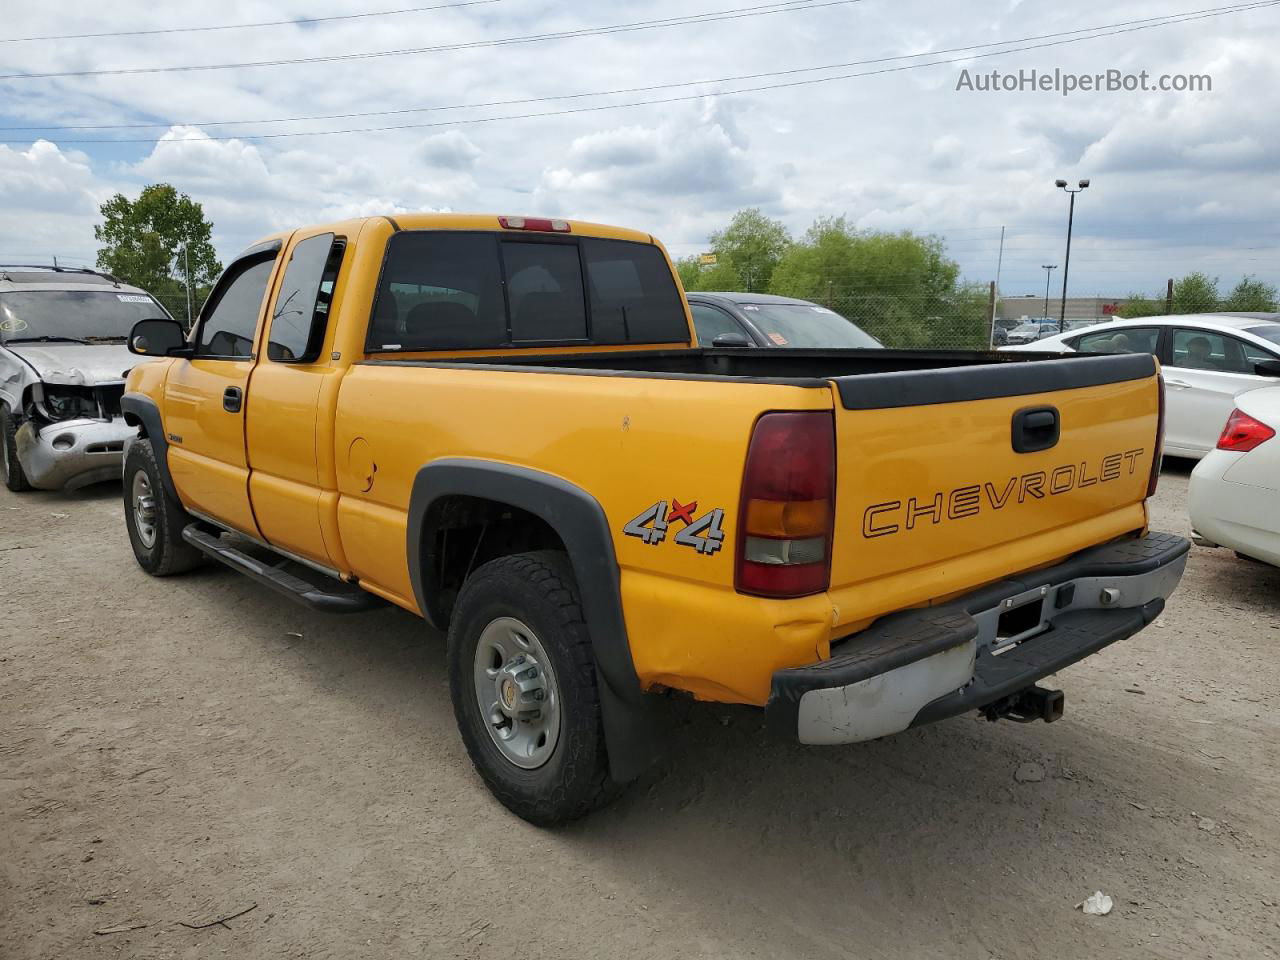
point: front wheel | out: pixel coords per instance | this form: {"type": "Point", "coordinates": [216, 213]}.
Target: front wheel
{"type": "Point", "coordinates": [11, 471]}
{"type": "Point", "coordinates": [523, 682]}
{"type": "Point", "coordinates": [154, 520]}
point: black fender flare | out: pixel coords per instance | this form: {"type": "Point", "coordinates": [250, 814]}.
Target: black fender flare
{"type": "Point", "coordinates": [633, 724]}
{"type": "Point", "coordinates": [140, 407]}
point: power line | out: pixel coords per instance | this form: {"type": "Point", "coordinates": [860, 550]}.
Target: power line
{"type": "Point", "coordinates": [1149, 21]}
{"type": "Point", "coordinates": [736, 13]}
{"type": "Point", "coordinates": [299, 21]}
{"type": "Point", "coordinates": [1180, 18]}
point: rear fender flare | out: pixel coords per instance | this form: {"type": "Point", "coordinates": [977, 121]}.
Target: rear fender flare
{"type": "Point", "coordinates": [631, 724]}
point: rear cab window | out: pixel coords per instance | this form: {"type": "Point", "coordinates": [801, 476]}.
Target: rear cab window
{"type": "Point", "coordinates": [464, 290]}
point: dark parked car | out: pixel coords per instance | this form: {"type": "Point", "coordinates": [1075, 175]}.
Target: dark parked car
{"type": "Point", "coordinates": [762, 320]}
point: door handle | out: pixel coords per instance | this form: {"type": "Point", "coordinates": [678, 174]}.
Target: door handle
{"type": "Point", "coordinates": [1177, 384]}
{"type": "Point", "coordinates": [231, 399]}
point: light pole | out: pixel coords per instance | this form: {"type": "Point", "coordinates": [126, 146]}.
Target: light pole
{"type": "Point", "coordinates": [1066, 268]}
{"type": "Point", "coordinates": [1048, 269]}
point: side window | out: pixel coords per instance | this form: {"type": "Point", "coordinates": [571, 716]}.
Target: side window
{"type": "Point", "coordinates": [1128, 340]}
{"type": "Point", "coordinates": [544, 285]}
{"type": "Point", "coordinates": [711, 322]}
{"type": "Point", "coordinates": [633, 297]}
{"type": "Point", "coordinates": [230, 320]}
{"type": "Point", "coordinates": [302, 305]}
{"type": "Point", "coordinates": [1206, 350]}
{"type": "Point", "coordinates": [1255, 354]}
{"type": "Point", "coordinates": [439, 291]}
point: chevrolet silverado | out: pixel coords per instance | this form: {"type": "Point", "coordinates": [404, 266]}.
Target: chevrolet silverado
{"type": "Point", "coordinates": [505, 426]}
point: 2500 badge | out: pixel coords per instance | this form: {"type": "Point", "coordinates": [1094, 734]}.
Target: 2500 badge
{"type": "Point", "coordinates": [704, 534]}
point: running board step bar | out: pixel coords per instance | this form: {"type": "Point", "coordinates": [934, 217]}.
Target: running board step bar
{"type": "Point", "coordinates": [288, 577]}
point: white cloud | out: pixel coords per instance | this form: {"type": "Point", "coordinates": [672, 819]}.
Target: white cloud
{"type": "Point", "coordinates": [450, 150]}
{"type": "Point", "coordinates": [1180, 181]}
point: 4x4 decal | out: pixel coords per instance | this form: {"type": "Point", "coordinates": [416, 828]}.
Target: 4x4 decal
{"type": "Point", "coordinates": [704, 534]}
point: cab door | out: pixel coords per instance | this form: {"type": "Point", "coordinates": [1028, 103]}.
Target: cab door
{"type": "Point", "coordinates": [204, 397]}
{"type": "Point", "coordinates": [291, 485]}
{"type": "Point", "coordinates": [1205, 372]}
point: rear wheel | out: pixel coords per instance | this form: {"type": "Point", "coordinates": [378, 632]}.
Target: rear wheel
{"type": "Point", "coordinates": [523, 682]}
{"type": "Point", "coordinates": [10, 467]}
{"type": "Point", "coordinates": [154, 520]}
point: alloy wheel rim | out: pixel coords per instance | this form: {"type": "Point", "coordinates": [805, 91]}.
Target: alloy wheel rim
{"type": "Point", "coordinates": [144, 509]}
{"type": "Point", "coordinates": [516, 692]}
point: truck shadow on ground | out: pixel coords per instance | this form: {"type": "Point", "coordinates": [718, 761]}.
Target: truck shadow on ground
{"type": "Point", "coordinates": [939, 817]}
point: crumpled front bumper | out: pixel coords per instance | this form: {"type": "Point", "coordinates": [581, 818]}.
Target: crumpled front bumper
{"type": "Point", "coordinates": [74, 453]}
{"type": "Point", "coordinates": [924, 665]}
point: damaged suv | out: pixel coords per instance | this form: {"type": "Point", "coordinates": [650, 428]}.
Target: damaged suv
{"type": "Point", "coordinates": [63, 362]}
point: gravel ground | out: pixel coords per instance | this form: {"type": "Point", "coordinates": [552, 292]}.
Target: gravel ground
{"type": "Point", "coordinates": [176, 751]}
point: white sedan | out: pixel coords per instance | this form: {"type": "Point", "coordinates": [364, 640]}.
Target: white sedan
{"type": "Point", "coordinates": [1235, 490]}
{"type": "Point", "coordinates": [1208, 360]}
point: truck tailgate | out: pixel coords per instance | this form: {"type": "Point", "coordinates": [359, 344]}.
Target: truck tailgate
{"type": "Point", "coordinates": [956, 477]}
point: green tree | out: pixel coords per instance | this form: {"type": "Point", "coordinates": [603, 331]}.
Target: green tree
{"type": "Point", "coordinates": [752, 245]}
{"type": "Point", "coordinates": [1196, 293]}
{"type": "Point", "coordinates": [1140, 305]}
{"type": "Point", "coordinates": [716, 276]}
{"type": "Point", "coordinates": [899, 287]}
{"type": "Point", "coordinates": [149, 243]}
{"type": "Point", "coordinates": [1251, 295]}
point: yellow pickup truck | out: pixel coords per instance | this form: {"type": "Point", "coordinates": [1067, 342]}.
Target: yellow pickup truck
{"type": "Point", "coordinates": [504, 426]}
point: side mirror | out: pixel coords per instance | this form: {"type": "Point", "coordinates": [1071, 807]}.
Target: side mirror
{"type": "Point", "coordinates": [158, 338]}
{"type": "Point", "coordinates": [1267, 368]}
{"type": "Point", "coordinates": [732, 340]}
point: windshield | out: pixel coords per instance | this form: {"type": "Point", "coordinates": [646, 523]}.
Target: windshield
{"type": "Point", "coordinates": [806, 325]}
{"type": "Point", "coordinates": [73, 314]}
{"type": "Point", "coordinates": [1268, 331]}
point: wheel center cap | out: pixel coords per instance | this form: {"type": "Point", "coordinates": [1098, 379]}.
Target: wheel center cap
{"type": "Point", "coordinates": [508, 692]}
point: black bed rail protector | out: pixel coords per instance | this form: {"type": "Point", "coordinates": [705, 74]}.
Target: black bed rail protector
{"type": "Point", "coordinates": [914, 388]}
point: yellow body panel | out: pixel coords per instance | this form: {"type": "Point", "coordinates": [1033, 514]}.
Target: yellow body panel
{"type": "Point", "coordinates": [933, 501]}
{"type": "Point", "coordinates": [333, 449]}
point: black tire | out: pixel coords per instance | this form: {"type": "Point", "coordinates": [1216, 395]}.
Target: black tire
{"type": "Point", "coordinates": [10, 469]}
{"type": "Point", "coordinates": [539, 590]}
{"type": "Point", "coordinates": [167, 553]}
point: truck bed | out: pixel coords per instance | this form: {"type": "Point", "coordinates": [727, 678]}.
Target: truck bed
{"type": "Point", "coordinates": [865, 379]}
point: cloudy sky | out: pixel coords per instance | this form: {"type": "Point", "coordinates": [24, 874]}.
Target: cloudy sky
{"type": "Point", "coordinates": [1181, 181]}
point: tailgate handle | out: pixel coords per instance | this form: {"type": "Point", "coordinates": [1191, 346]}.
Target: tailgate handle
{"type": "Point", "coordinates": [1036, 429]}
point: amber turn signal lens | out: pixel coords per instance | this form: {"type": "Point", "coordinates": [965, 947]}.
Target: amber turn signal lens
{"type": "Point", "coordinates": [788, 519]}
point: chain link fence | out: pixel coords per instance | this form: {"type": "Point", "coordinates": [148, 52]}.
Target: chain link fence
{"type": "Point", "coordinates": [960, 320]}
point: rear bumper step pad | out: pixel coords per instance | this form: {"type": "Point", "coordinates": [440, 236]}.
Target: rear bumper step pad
{"type": "Point", "coordinates": [928, 664]}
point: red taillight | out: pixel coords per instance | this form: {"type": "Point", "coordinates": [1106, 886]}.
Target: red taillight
{"type": "Point", "coordinates": [540, 224]}
{"type": "Point", "coordinates": [1243, 433]}
{"type": "Point", "coordinates": [788, 506]}
{"type": "Point", "coordinates": [1158, 453]}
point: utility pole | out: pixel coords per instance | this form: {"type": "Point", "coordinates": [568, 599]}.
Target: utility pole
{"type": "Point", "coordinates": [186, 271]}
{"type": "Point", "coordinates": [1066, 268]}
{"type": "Point", "coordinates": [1048, 272]}
{"type": "Point", "coordinates": [991, 311]}
{"type": "Point", "coordinates": [1168, 298]}
{"type": "Point", "coordinates": [991, 339]}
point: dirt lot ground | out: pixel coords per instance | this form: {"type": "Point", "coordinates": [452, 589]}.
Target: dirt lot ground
{"type": "Point", "coordinates": [176, 751]}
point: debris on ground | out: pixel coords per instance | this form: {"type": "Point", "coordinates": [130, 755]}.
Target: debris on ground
{"type": "Point", "coordinates": [121, 928]}
{"type": "Point", "coordinates": [219, 921]}
{"type": "Point", "coordinates": [1029, 773]}
{"type": "Point", "coordinates": [1204, 823]}
{"type": "Point", "coordinates": [1097, 905]}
